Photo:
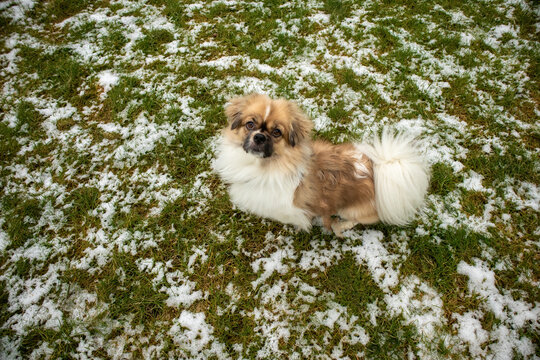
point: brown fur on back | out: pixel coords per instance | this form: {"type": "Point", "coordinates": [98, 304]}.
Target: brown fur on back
{"type": "Point", "coordinates": [334, 183]}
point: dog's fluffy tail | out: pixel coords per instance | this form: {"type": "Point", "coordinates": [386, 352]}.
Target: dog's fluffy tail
{"type": "Point", "coordinates": [401, 177]}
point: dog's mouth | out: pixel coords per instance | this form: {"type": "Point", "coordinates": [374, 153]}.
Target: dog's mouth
{"type": "Point", "coordinates": [263, 150]}
{"type": "Point", "coordinates": [259, 154]}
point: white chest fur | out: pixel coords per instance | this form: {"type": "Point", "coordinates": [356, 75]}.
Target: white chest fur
{"type": "Point", "coordinates": [258, 188]}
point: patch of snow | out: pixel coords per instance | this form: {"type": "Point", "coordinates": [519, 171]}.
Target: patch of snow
{"type": "Point", "coordinates": [107, 80]}
{"type": "Point", "coordinates": [275, 262]}
{"type": "Point", "coordinates": [470, 331]}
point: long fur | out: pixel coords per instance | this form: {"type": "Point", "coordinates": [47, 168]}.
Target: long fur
{"type": "Point", "coordinates": [292, 179]}
{"type": "Point", "coordinates": [260, 187]}
{"type": "Point", "coordinates": [401, 176]}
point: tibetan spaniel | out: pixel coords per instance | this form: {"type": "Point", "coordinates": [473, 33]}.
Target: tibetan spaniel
{"type": "Point", "coordinates": [275, 170]}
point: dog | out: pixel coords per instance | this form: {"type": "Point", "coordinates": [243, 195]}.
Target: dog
{"type": "Point", "coordinates": [274, 170]}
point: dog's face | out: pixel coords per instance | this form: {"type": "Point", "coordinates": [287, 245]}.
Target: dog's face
{"type": "Point", "coordinates": [266, 127]}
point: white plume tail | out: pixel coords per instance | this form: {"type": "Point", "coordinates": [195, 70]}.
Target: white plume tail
{"type": "Point", "coordinates": [401, 177]}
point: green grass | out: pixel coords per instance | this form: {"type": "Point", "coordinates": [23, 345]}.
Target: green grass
{"type": "Point", "coordinates": [65, 124]}
{"type": "Point", "coordinates": [83, 200]}
{"type": "Point", "coordinates": [79, 31]}
{"type": "Point", "coordinates": [103, 181]}
{"type": "Point", "coordinates": [338, 10]}
{"type": "Point", "coordinates": [154, 40]}
{"type": "Point", "coordinates": [385, 40]}
{"type": "Point", "coordinates": [28, 119]}
{"type": "Point", "coordinates": [24, 214]}
{"type": "Point", "coordinates": [62, 343]}
{"type": "Point", "coordinates": [5, 26]}
{"type": "Point", "coordinates": [438, 260]}
{"type": "Point", "coordinates": [391, 340]}
{"type": "Point", "coordinates": [62, 9]}
{"type": "Point", "coordinates": [180, 157]}
{"type": "Point", "coordinates": [443, 179]}
{"type": "Point", "coordinates": [352, 285]}
{"type": "Point", "coordinates": [515, 163]}
{"type": "Point", "coordinates": [174, 10]}
{"type": "Point", "coordinates": [4, 314]}
{"type": "Point", "coordinates": [131, 289]}
{"type": "Point", "coordinates": [349, 77]}
{"type": "Point", "coordinates": [338, 113]}
{"type": "Point", "coordinates": [122, 94]}
{"type": "Point", "coordinates": [59, 70]}
{"type": "Point", "coordinates": [115, 40]}
{"type": "Point", "coordinates": [8, 143]}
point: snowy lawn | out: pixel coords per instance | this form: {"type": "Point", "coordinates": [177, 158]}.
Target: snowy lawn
{"type": "Point", "coordinates": [118, 241]}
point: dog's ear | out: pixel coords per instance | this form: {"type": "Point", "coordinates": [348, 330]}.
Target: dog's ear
{"type": "Point", "coordinates": [233, 111]}
{"type": "Point", "coordinates": [301, 125]}
{"type": "Point", "coordinates": [234, 108]}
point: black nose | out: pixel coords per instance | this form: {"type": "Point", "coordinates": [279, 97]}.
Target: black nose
{"type": "Point", "coordinates": [259, 139]}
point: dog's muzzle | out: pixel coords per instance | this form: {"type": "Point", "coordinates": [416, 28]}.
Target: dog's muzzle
{"type": "Point", "coordinates": [259, 145]}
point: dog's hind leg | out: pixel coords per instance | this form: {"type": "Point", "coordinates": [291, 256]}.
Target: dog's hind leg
{"type": "Point", "coordinates": [328, 222]}
{"type": "Point", "coordinates": [364, 214]}
{"type": "Point", "coordinates": [339, 226]}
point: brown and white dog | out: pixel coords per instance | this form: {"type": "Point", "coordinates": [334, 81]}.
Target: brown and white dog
{"type": "Point", "coordinates": [276, 171]}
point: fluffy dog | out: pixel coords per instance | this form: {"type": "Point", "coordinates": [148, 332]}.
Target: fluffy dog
{"type": "Point", "coordinates": [276, 171]}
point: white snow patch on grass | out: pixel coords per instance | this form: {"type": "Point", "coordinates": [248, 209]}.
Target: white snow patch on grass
{"type": "Point", "coordinates": [107, 80]}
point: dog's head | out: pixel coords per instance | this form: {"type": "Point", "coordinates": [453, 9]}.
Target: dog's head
{"type": "Point", "coordinates": [266, 127]}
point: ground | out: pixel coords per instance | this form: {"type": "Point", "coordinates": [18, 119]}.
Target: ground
{"type": "Point", "coordinates": [117, 240]}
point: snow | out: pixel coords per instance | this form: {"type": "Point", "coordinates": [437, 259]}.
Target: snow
{"type": "Point", "coordinates": [376, 257]}
{"type": "Point", "coordinates": [280, 291]}
{"type": "Point", "coordinates": [107, 80]}
{"type": "Point", "coordinates": [514, 314]}
{"type": "Point", "coordinates": [320, 257]}
{"type": "Point", "coordinates": [16, 9]}
{"type": "Point", "coordinates": [191, 332]}
{"type": "Point", "coordinates": [419, 304]}
{"type": "Point", "coordinates": [470, 331]}
{"type": "Point", "coordinates": [273, 263]}
{"type": "Point", "coordinates": [473, 182]}
{"type": "Point", "coordinates": [4, 238]}
{"type": "Point", "coordinates": [374, 312]}
{"type": "Point", "coordinates": [504, 307]}
{"type": "Point", "coordinates": [329, 317]}
{"type": "Point", "coordinates": [499, 30]}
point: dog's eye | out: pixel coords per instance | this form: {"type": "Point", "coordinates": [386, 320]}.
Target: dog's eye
{"type": "Point", "coordinates": [250, 125]}
{"type": "Point", "coordinates": [276, 133]}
